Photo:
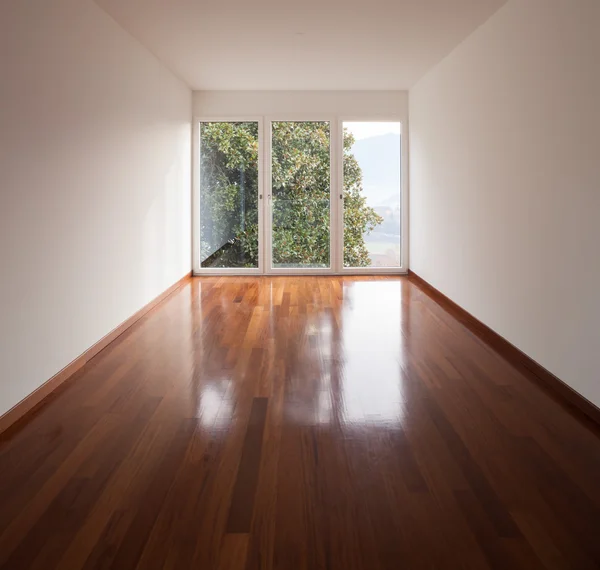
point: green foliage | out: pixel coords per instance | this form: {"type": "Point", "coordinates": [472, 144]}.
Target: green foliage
{"type": "Point", "coordinates": [301, 195]}
{"type": "Point", "coordinates": [229, 208]}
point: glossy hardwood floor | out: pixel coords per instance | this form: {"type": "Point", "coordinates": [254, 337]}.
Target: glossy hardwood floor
{"type": "Point", "coordinates": [299, 423]}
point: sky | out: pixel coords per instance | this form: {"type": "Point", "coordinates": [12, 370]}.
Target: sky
{"type": "Point", "coordinates": [363, 129]}
{"type": "Point", "coordinates": [378, 156]}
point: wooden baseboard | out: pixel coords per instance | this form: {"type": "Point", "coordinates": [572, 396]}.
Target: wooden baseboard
{"type": "Point", "coordinates": [34, 399]}
{"type": "Point", "coordinates": [512, 354]}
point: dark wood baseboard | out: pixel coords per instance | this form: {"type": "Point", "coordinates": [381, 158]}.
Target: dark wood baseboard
{"type": "Point", "coordinates": [512, 354]}
{"type": "Point", "coordinates": [37, 396]}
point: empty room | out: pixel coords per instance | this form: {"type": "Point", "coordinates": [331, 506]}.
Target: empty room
{"type": "Point", "coordinates": [299, 285]}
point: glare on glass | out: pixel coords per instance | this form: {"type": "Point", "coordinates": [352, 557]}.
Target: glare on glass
{"type": "Point", "coordinates": [372, 194]}
{"type": "Point", "coordinates": [229, 195]}
{"type": "Point", "coordinates": [300, 187]}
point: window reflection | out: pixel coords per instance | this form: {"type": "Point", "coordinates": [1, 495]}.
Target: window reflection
{"type": "Point", "coordinates": [371, 341]}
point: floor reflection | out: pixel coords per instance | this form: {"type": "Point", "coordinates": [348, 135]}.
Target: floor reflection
{"type": "Point", "coordinates": [333, 345]}
{"type": "Point", "coordinates": [371, 333]}
{"type": "Point", "coordinates": [283, 423]}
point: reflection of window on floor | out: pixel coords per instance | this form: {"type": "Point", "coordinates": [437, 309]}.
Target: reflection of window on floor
{"type": "Point", "coordinates": [363, 399]}
{"type": "Point", "coordinates": [213, 408]}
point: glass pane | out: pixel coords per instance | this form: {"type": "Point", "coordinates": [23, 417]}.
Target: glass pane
{"type": "Point", "coordinates": [229, 194]}
{"type": "Point", "coordinates": [300, 194]}
{"type": "Point", "coordinates": [372, 201]}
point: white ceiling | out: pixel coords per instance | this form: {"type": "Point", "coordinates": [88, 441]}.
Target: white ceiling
{"type": "Point", "coordinates": [303, 44]}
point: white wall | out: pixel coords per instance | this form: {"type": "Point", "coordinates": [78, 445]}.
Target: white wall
{"type": "Point", "coordinates": [505, 181]}
{"type": "Point", "coordinates": [95, 158]}
{"type": "Point", "coordinates": [358, 104]}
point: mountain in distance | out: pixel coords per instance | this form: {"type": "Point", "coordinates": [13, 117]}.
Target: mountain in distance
{"type": "Point", "coordinates": [379, 160]}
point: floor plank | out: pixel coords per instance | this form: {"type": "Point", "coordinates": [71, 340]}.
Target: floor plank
{"type": "Point", "coordinates": [258, 423]}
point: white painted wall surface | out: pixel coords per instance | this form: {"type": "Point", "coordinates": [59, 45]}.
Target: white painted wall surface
{"type": "Point", "coordinates": [505, 181]}
{"type": "Point", "coordinates": [95, 159]}
{"type": "Point", "coordinates": [369, 104]}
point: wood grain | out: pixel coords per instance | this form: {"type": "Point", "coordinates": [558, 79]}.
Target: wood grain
{"type": "Point", "coordinates": [300, 423]}
{"type": "Point", "coordinates": [37, 396]}
{"type": "Point", "coordinates": [516, 357]}
{"type": "Point", "coordinates": [244, 491]}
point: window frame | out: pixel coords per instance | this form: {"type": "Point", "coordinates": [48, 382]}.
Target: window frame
{"type": "Point", "coordinates": [265, 190]}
